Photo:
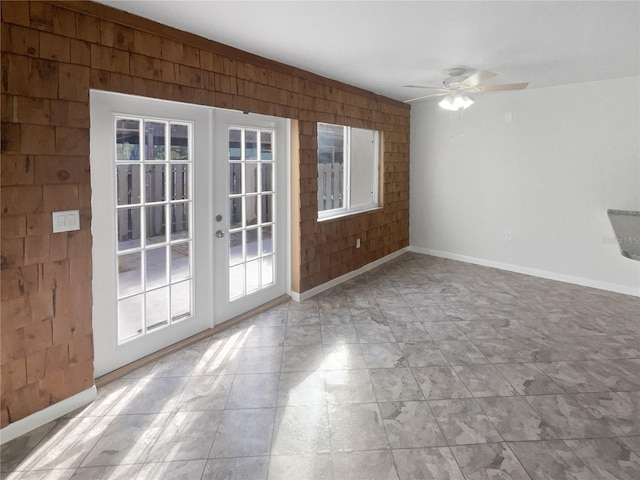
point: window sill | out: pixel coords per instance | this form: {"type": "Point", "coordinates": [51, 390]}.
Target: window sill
{"type": "Point", "coordinates": [349, 213]}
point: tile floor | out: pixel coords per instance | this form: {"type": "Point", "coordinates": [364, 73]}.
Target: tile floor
{"type": "Point", "coordinates": [423, 368]}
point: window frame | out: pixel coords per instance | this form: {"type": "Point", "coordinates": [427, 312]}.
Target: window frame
{"type": "Point", "coordinates": [347, 207]}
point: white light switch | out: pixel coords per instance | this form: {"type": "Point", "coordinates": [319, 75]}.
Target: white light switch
{"type": "Point", "coordinates": [66, 221]}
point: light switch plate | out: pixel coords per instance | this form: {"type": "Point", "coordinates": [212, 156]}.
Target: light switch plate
{"type": "Point", "coordinates": [66, 221]}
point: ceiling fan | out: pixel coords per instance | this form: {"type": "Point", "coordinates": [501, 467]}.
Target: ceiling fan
{"type": "Point", "coordinates": [456, 87]}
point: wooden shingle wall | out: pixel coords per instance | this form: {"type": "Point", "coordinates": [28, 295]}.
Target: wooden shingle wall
{"type": "Point", "coordinates": [52, 54]}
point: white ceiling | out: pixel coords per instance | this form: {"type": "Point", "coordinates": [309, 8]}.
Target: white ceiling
{"type": "Point", "coordinates": [382, 45]}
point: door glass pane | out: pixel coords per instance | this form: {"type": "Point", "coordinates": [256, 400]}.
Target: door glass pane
{"type": "Point", "coordinates": [154, 141]}
{"type": "Point", "coordinates": [253, 276]}
{"type": "Point", "coordinates": [180, 261]}
{"type": "Point", "coordinates": [127, 139]}
{"type": "Point", "coordinates": [157, 308]}
{"type": "Point", "coordinates": [266, 146]}
{"type": "Point", "coordinates": [235, 178]}
{"type": "Point", "coordinates": [160, 271]}
{"type": "Point", "coordinates": [247, 246]}
{"type": "Point", "coordinates": [235, 212]}
{"type": "Point", "coordinates": [156, 225]}
{"type": "Point", "coordinates": [235, 248]}
{"type": "Point", "coordinates": [155, 182]}
{"type": "Point", "coordinates": [250, 145]}
{"type": "Point", "coordinates": [128, 228]}
{"type": "Point", "coordinates": [180, 221]}
{"type": "Point", "coordinates": [180, 300]}
{"type": "Point", "coordinates": [130, 318]}
{"type": "Point", "coordinates": [235, 144]}
{"type": "Point", "coordinates": [267, 241]}
{"type": "Point", "coordinates": [267, 208]}
{"type": "Point", "coordinates": [179, 142]}
{"type": "Point", "coordinates": [128, 184]}
{"type": "Point", "coordinates": [236, 281]}
{"type": "Point", "coordinates": [267, 177]}
{"type": "Point", "coordinates": [251, 210]}
{"type": "Point", "coordinates": [156, 267]}
{"type": "Point", "coordinates": [267, 271]}
{"type": "Point", "coordinates": [129, 274]}
{"type": "Point", "coordinates": [251, 177]}
{"type": "Point", "coordinates": [252, 243]}
{"type": "Point", "coordinates": [179, 181]}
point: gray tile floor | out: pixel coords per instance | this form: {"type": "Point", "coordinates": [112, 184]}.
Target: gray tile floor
{"type": "Point", "coordinates": [423, 368]}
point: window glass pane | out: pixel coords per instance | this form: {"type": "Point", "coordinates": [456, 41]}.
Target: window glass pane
{"type": "Point", "coordinates": [236, 281]}
{"type": "Point", "coordinates": [363, 166]}
{"type": "Point", "coordinates": [179, 181]}
{"type": "Point", "coordinates": [128, 228]}
{"type": "Point", "coordinates": [267, 240]}
{"type": "Point", "coordinates": [156, 267]}
{"type": "Point", "coordinates": [127, 139]}
{"type": "Point", "coordinates": [156, 225]}
{"type": "Point", "coordinates": [155, 183]}
{"type": "Point", "coordinates": [128, 184]}
{"type": "Point", "coordinates": [251, 210]}
{"type": "Point", "coordinates": [235, 178]}
{"type": "Point", "coordinates": [348, 169]}
{"type": "Point", "coordinates": [180, 300]}
{"type": "Point", "coordinates": [253, 276]}
{"type": "Point", "coordinates": [267, 270]}
{"type": "Point", "coordinates": [251, 177]}
{"type": "Point", "coordinates": [179, 221]}
{"type": "Point", "coordinates": [235, 247]}
{"type": "Point", "coordinates": [235, 212]}
{"type": "Point", "coordinates": [179, 142]}
{"type": "Point", "coordinates": [129, 274]}
{"type": "Point", "coordinates": [252, 243]}
{"type": "Point", "coordinates": [267, 177]}
{"type": "Point", "coordinates": [157, 308]}
{"type": "Point", "coordinates": [130, 316]}
{"type": "Point", "coordinates": [250, 145]}
{"type": "Point", "coordinates": [266, 146]}
{"type": "Point", "coordinates": [154, 141]}
{"type": "Point", "coordinates": [235, 144]}
{"type": "Point", "coordinates": [331, 149]}
{"type": "Point", "coordinates": [180, 261]}
{"type": "Point", "coordinates": [267, 208]}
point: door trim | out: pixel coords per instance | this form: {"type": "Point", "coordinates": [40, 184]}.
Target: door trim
{"type": "Point", "coordinates": [101, 105]}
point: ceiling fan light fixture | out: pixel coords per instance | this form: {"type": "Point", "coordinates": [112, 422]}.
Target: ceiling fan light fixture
{"type": "Point", "coordinates": [467, 102]}
{"type": "Point", "coordinates": [454, 102]}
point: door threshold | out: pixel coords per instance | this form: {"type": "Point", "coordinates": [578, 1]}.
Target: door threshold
{"type": "Point", "coordinates": [127, 369]}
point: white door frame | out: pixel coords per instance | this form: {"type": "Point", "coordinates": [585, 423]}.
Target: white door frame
{"type": "Point", "coordinates": [108, 354]}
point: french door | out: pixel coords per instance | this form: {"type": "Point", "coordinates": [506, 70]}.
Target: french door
{"type": "Point", "coordinates": [250, 211]}
{"type": "Point", "coordinates": [188, 221]}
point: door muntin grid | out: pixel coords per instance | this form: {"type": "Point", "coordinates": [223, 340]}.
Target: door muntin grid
{"type": "Point", "coordinates": [251, 190]}
{"type": "Point", "coordinates": [154, 223]}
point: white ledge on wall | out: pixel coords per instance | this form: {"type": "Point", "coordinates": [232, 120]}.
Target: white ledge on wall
{"type": "Point", "coordinates": [53, 412]}
{"type": "Point", "coordinates": [585, 282]}
{"type": "Point", "coordinates": [299, 297]}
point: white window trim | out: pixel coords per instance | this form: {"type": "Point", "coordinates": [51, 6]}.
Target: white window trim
{"type": "Point", "coordinates": [348, 209]}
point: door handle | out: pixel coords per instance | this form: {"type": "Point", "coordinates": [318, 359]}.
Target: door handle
{"type": "Point", "coordinates": [219, 234]}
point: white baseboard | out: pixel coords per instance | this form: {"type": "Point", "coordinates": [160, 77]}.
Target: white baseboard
{"type": "Point", "coordinates": [585, 282]}
{"type": "Point", "coordinates": [299, 297]}
{"type": "Point", "coordinates": [57, 410]}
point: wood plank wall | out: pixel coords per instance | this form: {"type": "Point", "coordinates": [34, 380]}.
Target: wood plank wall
{"type": "Point", "coordinates": [52, 54]}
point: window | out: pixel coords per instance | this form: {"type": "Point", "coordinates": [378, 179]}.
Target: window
{"type": "Point", "coordinates": [348, 160]}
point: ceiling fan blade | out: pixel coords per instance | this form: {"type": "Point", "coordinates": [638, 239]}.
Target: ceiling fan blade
{"type": "Point", "coordinates": [428, 87]}
{"type": "Point", "coordinates": [478, 78]}
{"type": "Point", "coordinates": [499, 88]}
{"type": "Point", "coordinates": [426, 96]}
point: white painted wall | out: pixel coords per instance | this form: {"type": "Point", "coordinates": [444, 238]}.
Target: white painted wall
{"type": "Point", "coordinates": [548, 176]}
